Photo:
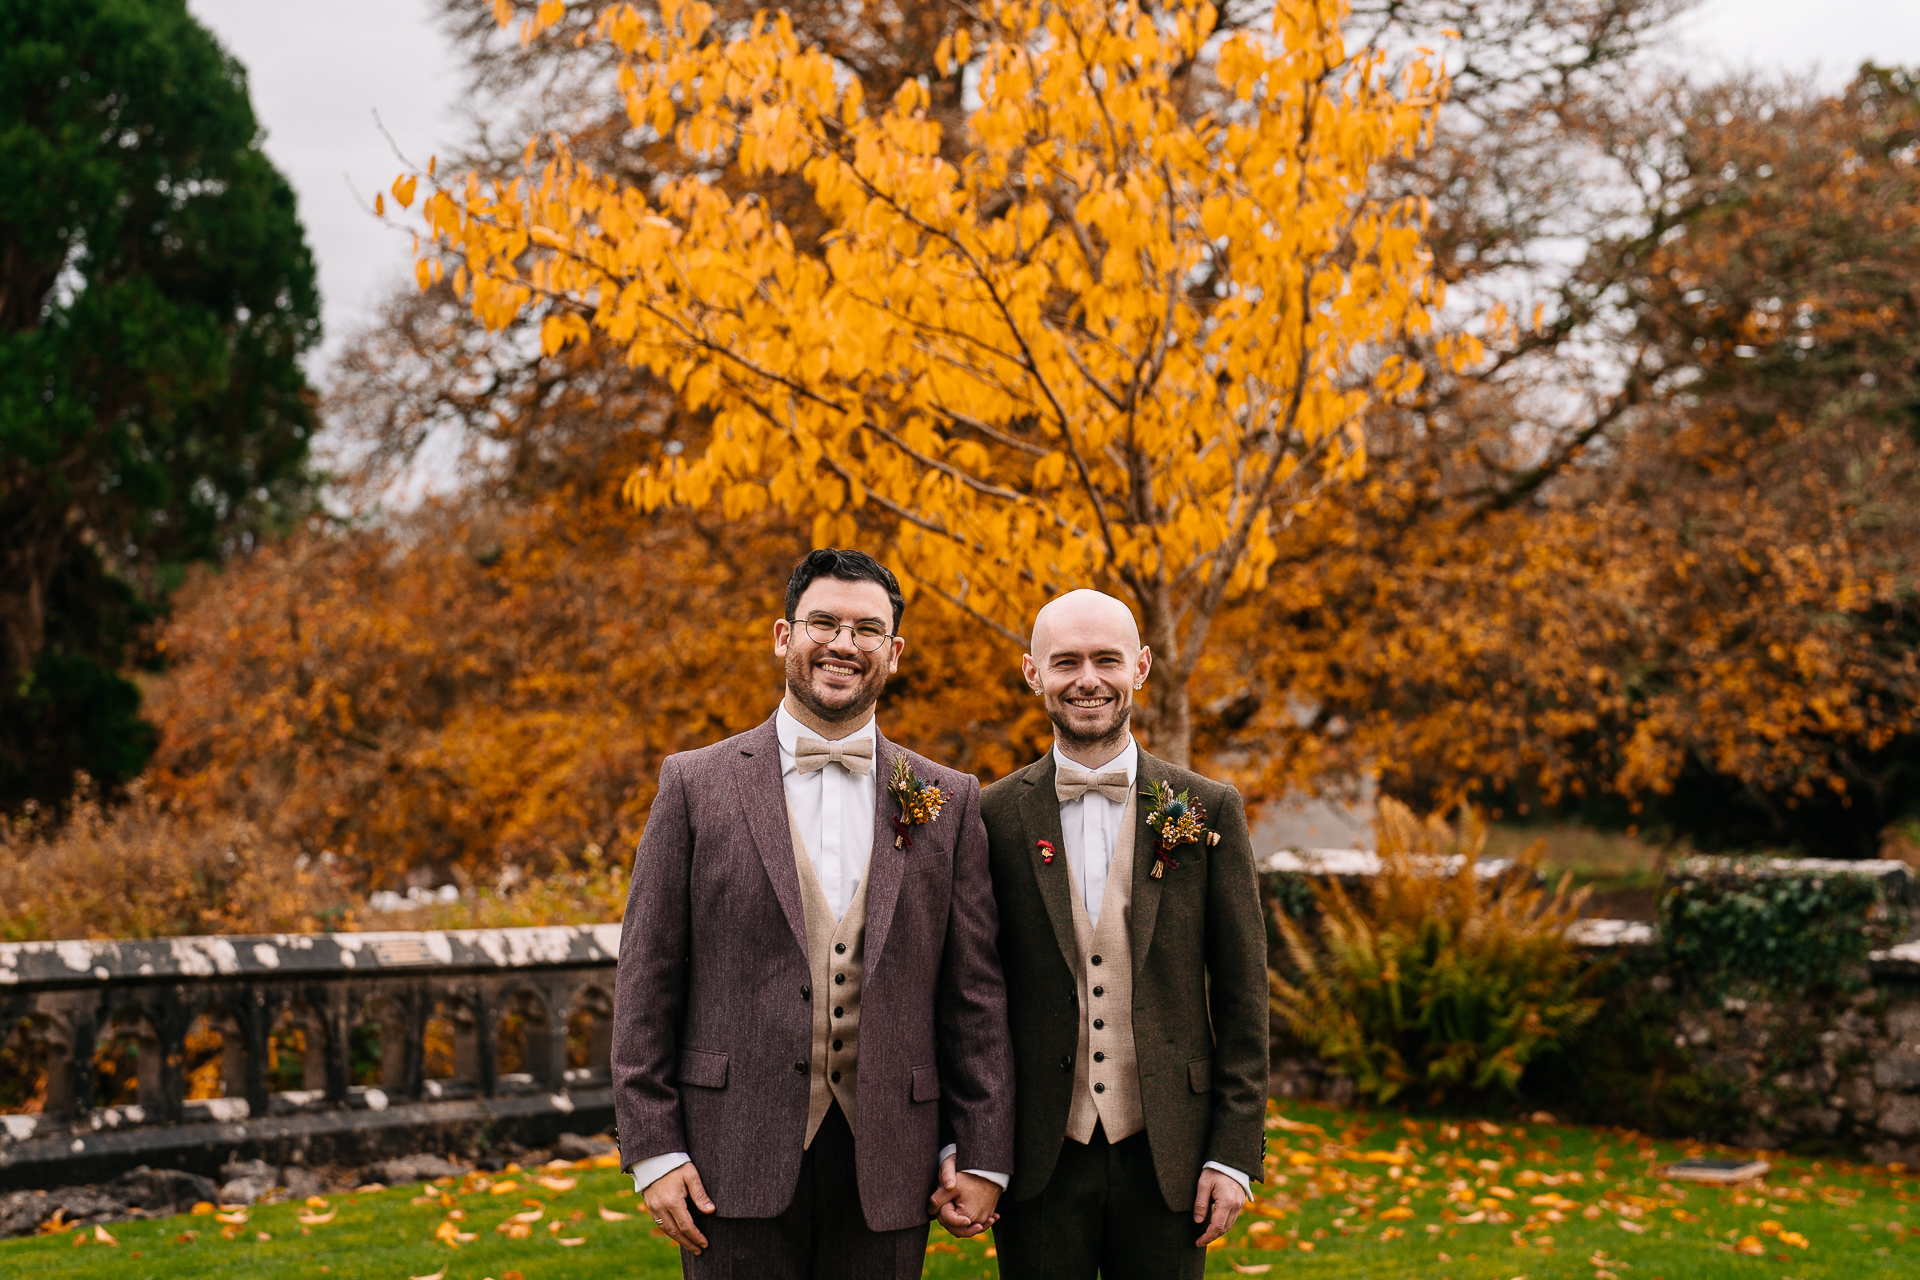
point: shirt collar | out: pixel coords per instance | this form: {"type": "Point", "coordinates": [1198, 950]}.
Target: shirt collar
{"type": "Point", "coordinates": [788, 730]}
{"type": "Point", "coordinates": [1128, 759]}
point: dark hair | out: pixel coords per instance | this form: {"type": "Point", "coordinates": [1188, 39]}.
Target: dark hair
{"type": "Point", "coordinates": [843, 566]}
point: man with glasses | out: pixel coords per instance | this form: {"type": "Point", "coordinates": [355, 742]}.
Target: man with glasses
{"type": "Point", "coordinates": [810, 1051]}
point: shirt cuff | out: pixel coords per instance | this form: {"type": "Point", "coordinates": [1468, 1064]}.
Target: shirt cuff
{"type": "Point", "coordinates": [1246, 1185]}
{"type": "Point", "coordinates": [998, 1179]}
{"type": "Point", "coordinates": [647, 1172]}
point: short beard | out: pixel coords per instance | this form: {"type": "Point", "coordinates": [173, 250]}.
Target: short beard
{"type": "Point", "coordinates": [800, 685]}
{"type": "Point", "coordinates": [1114, 736]}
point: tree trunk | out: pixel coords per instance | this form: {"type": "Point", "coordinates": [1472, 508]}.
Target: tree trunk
{"type": "Point", "coordinates": [1167, 713]}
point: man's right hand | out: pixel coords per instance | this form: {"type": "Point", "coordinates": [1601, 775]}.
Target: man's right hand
{"type": "Point", "coordinates": [666, 1199]}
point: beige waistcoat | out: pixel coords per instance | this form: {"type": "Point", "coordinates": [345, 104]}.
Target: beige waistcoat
{"type": "Point", "coordinates": [1116, 1102]}
{"type": "Point", "coordinates": [834, 953]}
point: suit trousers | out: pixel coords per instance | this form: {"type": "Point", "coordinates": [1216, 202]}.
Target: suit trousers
{"type": "Point", "coordinates": [1101, 1212]}
{"type": "Point", "coordinates": [821, 1234]}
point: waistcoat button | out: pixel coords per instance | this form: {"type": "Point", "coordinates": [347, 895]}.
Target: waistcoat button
{"type": "Point", "coordinates": [1098, 1024]}
{"type": "Point", "coordinates": [839, 948]}
{"type": "Point", "coordinates": [838, 1012]}
{"type": "Point", "coordinates": [836, 1044]}
{"type": "Point", "coordinates": [839, 979]}
{"type": "Point", "coordinates": [836, 1077]}
{"type": "Point", "coordinates": [1098, 1057]}
{"type": "Point", "coordinates": [1096, 959]}
{"type": "Point", "coordinates": [1099, 1088]}
{"type": "Point", "coordinates": [1099, 991]}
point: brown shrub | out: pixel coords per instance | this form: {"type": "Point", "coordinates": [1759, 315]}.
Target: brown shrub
{"type": "Point", "coordinates": [141, 870]}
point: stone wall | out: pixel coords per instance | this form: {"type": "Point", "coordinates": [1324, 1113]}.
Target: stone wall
{"type": "Point", "coordinates": [1726, 1049]}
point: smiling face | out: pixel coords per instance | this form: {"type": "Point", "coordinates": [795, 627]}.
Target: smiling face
{"type": "Point", "coordinates": [1086, 662]}
{"type": "Point", "coordinates": [836, 684]}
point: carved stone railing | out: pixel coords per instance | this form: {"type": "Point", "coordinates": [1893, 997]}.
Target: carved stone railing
{"type": "Point", "coordinates": [320, 1047]}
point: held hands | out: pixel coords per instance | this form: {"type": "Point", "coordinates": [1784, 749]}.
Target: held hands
{"type": "Point", "coordinates": [666, 1199]}
{"type": "Point", "coordinates": [1217, 1203]}
{"type": "Point", "coordinates": [965, 1201]}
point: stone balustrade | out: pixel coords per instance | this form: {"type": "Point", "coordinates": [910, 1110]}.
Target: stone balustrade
{"type": "Point", "coordinates": [185, 1051]}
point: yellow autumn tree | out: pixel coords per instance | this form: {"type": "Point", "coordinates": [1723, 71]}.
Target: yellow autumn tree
{"type": "Point", "coordinates": [1123, 340]}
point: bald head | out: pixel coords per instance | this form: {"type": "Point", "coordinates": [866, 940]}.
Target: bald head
{"type": "Point", "coordinates": [1085, 613]}
{"type": "Point", "coordinates": [1086, 661]}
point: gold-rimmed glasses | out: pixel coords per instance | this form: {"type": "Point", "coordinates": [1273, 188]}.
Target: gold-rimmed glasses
{"type": "Point", "coordinates": [824, 628]}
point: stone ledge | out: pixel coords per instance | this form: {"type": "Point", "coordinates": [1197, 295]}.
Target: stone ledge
{"type": "Point", "coordinates": [282, 955]}
{"type": "Point", "coordinates": [1354, 864]}
{"type": "Point", "coordinates": [345, 1136]}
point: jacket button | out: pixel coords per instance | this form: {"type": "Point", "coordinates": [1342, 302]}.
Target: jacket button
{"type": "Point", "coordinates": [839, 948]}
{"type": "Point", "coordinates": [806, 992]}
{"type": "Point", "coordinates": [836, 1045]}
{"type": "Point", "coordinates": [1099, 991]}
{"type": "Point", "coordinates": [801, 1067]}
{"type": "Point", "coordinates": [1099, 1088]}
{"type": "Point", "coordinates": [1097, 1057]}
{"type": "Point", "coordinates": [836, 1077]}
{"type": "Point", "coordinates": [1066, 1063]}
{"type": "Point", "coordinates": [1098, 1024]}
{"type": "Point", "coordinates": [1096, 959]}
{"type": "Point", "coordinates": [839, 979]}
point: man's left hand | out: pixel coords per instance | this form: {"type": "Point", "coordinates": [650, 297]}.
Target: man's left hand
{"type": "Point", "coordinates": [965, 1202]}
{"type": "Point", "coordinates": [1217, 1203]}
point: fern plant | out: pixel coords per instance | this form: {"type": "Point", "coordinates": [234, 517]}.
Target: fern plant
{"type": "Point", "coordinates": [1435, 981]}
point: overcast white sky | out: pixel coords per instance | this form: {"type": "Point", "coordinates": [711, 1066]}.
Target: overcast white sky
{"type": "Point", "coordinates": [319, 72]}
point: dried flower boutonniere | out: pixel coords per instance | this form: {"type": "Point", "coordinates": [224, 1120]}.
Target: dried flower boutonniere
{"type": "Point", "coordinates": [1046, 852]}
{"type": "Point", "coordinates": [1177, 819]}
{"type": "Point", "coordinates": [920, 803]}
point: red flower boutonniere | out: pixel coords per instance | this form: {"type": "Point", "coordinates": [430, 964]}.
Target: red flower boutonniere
{"type": "Point", "coordinates": [1046, 852]}
{"type": "Point", "coordinates": [1177, 819]}
{"type": "Point", "coordinates": [920, 803]}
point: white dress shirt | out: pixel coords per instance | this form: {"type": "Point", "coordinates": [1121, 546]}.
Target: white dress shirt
{"type": "Point", "coordinates": [1090, 827]}
{"type": "Point", "coordinates": [834, 809]}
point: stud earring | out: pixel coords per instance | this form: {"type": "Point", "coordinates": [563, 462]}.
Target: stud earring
{"type": "Point", "coordinates": [1139, 684]}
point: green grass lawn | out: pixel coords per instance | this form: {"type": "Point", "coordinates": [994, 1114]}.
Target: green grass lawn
{"type": "Point", "coordinates": [1349, 1194]}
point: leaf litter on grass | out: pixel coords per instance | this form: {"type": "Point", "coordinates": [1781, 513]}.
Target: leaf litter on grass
{"type": "Point", "coordinates": [1345, 1194]}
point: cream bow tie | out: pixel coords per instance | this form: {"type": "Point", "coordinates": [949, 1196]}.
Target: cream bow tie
{"type": "Point", "coordinates": [1071, 784]}
{"type": "Point", "coordinates": [810, 755]}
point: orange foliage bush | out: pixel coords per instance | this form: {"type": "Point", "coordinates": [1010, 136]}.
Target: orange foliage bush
{"type": "Point", "coordinates": [143, 869]}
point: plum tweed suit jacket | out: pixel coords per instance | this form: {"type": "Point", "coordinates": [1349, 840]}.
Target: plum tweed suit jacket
{"type": "Point", "coordinates": [1199, 949]}
{"type": "Point", "coordinates": [713, 1014]}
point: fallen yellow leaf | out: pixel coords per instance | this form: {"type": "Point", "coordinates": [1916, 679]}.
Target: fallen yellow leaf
{"type": "Point", "coordinates": [612, 1215]}
{"type": "Point", "coordinates": [235, 1218]}
{"type": "Point", "coordinates": [1769, 1228]}
{"type": "Point", "coordinates": [529, 1215]}
{"type": "Point", "coordinates": [558, 1184]}
{"type": "Point", "coordinates": [1794, 1238]}
{"type": "Point", "coordinates": [1633, 1227]}
{"type": "Point", "coordinates": [100, 1234]}
{"type": "Point", "coordinates": [438, 1275]}
{"type": "Point", "coordinates": [316, 1202]}
{"type": "Point", "coordinates": [315, 1219]}
{"type": "Point", "coordinates": [1751, 1246]}
{"type": "Point", "coordinates": [203, 1208]}
{"type": "Point", "coordinates": [1395, 1214]}
{"type": "Point", "coordinates": [1252, 1268]}
{"type": "Point", "coordinates": [502, 1188]}
{"type": "Point", "coordinates": [609, 1161]}
{"type": "Point", "coordinates": [570, 1243]}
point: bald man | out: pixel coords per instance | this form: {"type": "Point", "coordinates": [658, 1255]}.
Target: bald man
{"type": "Point", "coordinates": [1136, 979]}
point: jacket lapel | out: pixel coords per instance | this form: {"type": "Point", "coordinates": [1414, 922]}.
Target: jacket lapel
{"type": "Point", "coordinates": [1146, 889]}
{"type": "Point", "coordinates": [886, 865]}
{"type": "Point", "coordinates": [763, 798]}
{"type": "Point", "coordinates": [1040, 815]}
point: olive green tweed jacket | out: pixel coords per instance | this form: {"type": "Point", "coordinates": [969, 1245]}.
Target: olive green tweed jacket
{"type": "Point", "coordinates": [1199, 948]}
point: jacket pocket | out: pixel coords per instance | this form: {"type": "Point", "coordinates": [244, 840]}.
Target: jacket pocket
{"type": "Point", "coordinates": [1200, 1075]}
{"type": "Point", "coordinates": [928, 862]}
{"type": "Point", "coordinates": [926, 1083]}
{"type": "Point", "coordinates": [702, 1069]}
